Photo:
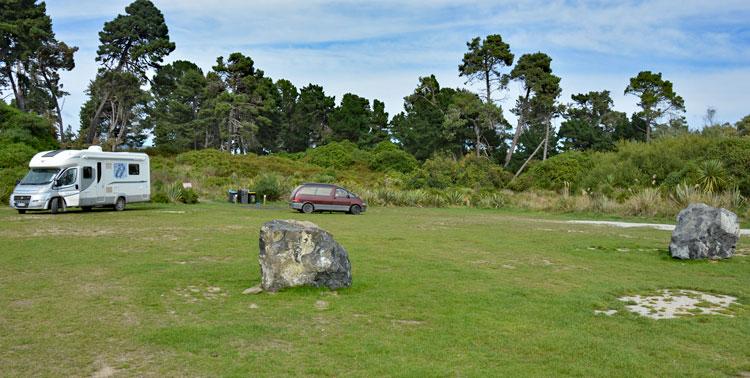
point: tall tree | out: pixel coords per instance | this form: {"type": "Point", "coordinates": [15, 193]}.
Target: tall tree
{"type": "Point", "coordinates": [178, 90]}
{"type": "Point", "coordinates": [590, 122]}
{"type": "Point", "coordinates": [483, 62]}
{"type": "Point", "coordinates": [464, 124]}
{"type": "Point", "coordinates": [351, 120]}
{"type": "Point", "coordinates": [244, 106]}
{"type": "Point", "coordinates": [311, 119]}
{"type": "Point", "coordinates": [536, 104]}
{"type": "Point", "coordinates": [134, 42]}
{"type": "Point", "coordinates": [287, 102]}
{"type": "Point", "coordinates": [419, 129]}
{"type": "Point", "coordinates": [656, 97]}
{"type": "Point", "coordinates": [45, 67]}
{"type": "Point", "coordinates": [24, 27]}
{"type": "Point", "coordinates": [124, 120]}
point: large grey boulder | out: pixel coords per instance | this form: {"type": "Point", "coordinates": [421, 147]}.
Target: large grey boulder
{"type": "Point", "coordinates": [704, 232]}
{"type": "Point", "coordinates": [296, 253]}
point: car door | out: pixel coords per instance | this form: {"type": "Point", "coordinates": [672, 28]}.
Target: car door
{"type": "Point", "coordinates": [67, 186]}
{"type": "Point", "coordinates": [341, 200]}
{"type": "Point", "coordinates": [324, 198]}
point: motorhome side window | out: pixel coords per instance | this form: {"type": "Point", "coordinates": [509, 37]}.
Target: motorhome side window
{"type": "Point", "coordinates": [134, 169]}
{"type": "Point", "coordinates": [68, 177]}
{"type": "Point", "coordinates": [88, 173]}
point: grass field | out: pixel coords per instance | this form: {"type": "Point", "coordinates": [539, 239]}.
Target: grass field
{"type": "Point", "coordinates": [156, 290]}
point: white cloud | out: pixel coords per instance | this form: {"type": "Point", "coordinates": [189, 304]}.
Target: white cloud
{"type": "Point", "coordinates": [378, 50]}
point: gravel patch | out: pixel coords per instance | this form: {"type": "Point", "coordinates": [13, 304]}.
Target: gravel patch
{"type": "Point", "coordinates": [656, 226]}
{"type": "Point", "coordinates": [670, 304]}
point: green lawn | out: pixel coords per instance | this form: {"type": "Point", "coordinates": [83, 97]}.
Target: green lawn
{"type": "Point", "coordinates": [156, 290]}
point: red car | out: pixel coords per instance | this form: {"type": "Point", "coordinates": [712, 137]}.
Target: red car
{"type": "Point", "coordinates": [307, 198]}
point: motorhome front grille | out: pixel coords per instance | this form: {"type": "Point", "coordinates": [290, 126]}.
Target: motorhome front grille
{"type": "Point", "coordinates": [21, 198]}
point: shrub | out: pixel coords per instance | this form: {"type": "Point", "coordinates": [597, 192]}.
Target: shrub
{"type": "Point", "coordinates": [173, 192]}
{"type": "Point", "coordinates": [15, 155]}
{"type": "Point", "coordinates": [478, 172]}
{"type": "Point", "coordinates": [388, 157]}
{"type": "Point", "coordinates": [712, 176]}
{"type": "Point", "coordinates": [336, 155]}
{"type": "Point", "coordinates": [270, 185]}
{"type": "Point", "coordinates": [553, 173]}
{"type": "Point", "coordinates": [189, 196]}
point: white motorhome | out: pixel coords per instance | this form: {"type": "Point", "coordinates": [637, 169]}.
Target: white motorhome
{"type": "Point", "coordinates": [61, 179]}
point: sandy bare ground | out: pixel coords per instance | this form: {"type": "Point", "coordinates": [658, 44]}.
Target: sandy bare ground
{"type": "Point", "coordinates": [656, 226]}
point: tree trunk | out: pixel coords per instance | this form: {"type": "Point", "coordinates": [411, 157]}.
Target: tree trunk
{"type": "Point", "coordinates": [519, 128]}
{"type": "Point", "coordinates": [528, 160]}
{"type": "Point", "coordinates": [93, 131]}
{"type": "Point", "coordinates": [20, 103]}
{"type": "Point", "coordinates": [53, 91]}
{"type": "Point", "coordinates": [478, 135]}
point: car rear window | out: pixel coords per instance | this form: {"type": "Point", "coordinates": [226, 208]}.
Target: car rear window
{"type": "Point", "coordinates": [307, 190]}
{"type": "Point", "coordinates": [323, 191]}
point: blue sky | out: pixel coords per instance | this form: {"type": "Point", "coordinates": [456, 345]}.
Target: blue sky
{"type": "Point", "coordinates": [379, 49]}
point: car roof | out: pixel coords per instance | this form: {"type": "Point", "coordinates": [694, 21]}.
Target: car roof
{"type": "Point", "coordinates": [319, 184]}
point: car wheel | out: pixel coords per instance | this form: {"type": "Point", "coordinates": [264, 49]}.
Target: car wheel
{"type": "Point", "coordinates": [120, 204]}
{"type": "Point", "coordinates": [86, 208]}
{"type": "Point", "coordinates": [54, 206]}
{"type": "Point", "coordinates": [21, 211]}
{"type": "Point", "coordinates": [355, 210]}
{"type": "Point", "coordinates": [307, 208]}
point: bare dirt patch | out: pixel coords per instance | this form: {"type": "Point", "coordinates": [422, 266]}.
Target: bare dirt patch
{"type": "Point", "coordinates": [194, 294]}
{"type": "Point", "coordinates": [670, 304]}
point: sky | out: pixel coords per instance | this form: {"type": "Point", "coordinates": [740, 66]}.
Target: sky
{"type": "Point", "coordinates": [379, 49]}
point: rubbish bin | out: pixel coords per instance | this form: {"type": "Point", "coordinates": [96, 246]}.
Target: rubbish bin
{"type": "Point", "coordinates": [232, 196]}
{"type": "Point", "coordinates": [243, 196]}
{"type": "Point", "coordinates": [252, 196]}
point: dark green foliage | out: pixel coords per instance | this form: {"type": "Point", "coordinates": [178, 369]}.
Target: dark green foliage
{"type": "Point", "coordinates": [484, 60]}
{"type": "Point", "coordinates": [590, 123]}
{"type": "Point", "coordinates": [189, 196]}
{"type": "Point", "coordinates": [30, 129]}
{"type": "Point", "coordinates": [556, 172]}
{"type": "Point", "coordinates": [356, 122]}
{"type": "Point", "coordinates": [388, 157]}
{"type": "Point", "coordinates": [310, 122]}
{"type": "Point", "coordinates": [656, 98]}
{"type": "Point", "coordinates": [21, 136]}
{"type": "Point", "coordinates": [24, 27]}
{"type": "Point", "coordinates": [178, 90]}
{"type": "Point", "coordinates": [536, 106]}
{"type": "Point", "coordinates": [269, 185]}
{"type": "Point", "coordinates": [15, 155]}
{"type": "Point", "coordinates": [665, 162]}
{"type": "Point", "coordinates": [419, 128]}
{"type": "Point", "coordinates": [743, 126]}
{"type": "Point", "coordinates": [131, 44]}
{"type": "Point", "coordinates": [135, 41]}
{"type": "Point", "coordinates": [442, 172]}
{"type": "Point", "coordinates": [338, 155]}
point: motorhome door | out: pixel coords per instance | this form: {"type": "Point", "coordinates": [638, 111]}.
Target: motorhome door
{"type": "Point", "coordinates": [67, 186]}
{"type": "Point", "coordinates": [89, 188]}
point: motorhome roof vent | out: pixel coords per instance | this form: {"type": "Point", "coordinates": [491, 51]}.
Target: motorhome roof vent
{"type": "Point", "coordinates": [95, 148]}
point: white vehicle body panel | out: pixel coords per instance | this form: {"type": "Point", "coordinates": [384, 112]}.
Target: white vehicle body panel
{"type": "Point", "coordinates": [87, 178]}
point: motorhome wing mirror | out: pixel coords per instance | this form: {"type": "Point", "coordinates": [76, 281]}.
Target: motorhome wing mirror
{"type": "Point", "coordinates": [18, 182]}
{"type": "Point", "coordinates": [56, 183]}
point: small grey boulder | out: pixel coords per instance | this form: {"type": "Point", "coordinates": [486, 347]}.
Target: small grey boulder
{"type": "Point", "coordinates": [297, 253]}
{"type": "Point", "coordinates": [704, 232]}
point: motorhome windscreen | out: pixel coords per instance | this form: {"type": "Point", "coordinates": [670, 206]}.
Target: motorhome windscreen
{"type": "Point", "coordinates": [39, 176]}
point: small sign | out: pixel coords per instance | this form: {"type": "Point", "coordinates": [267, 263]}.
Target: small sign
{"type": "Point", "coordinates": [187, 185]}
